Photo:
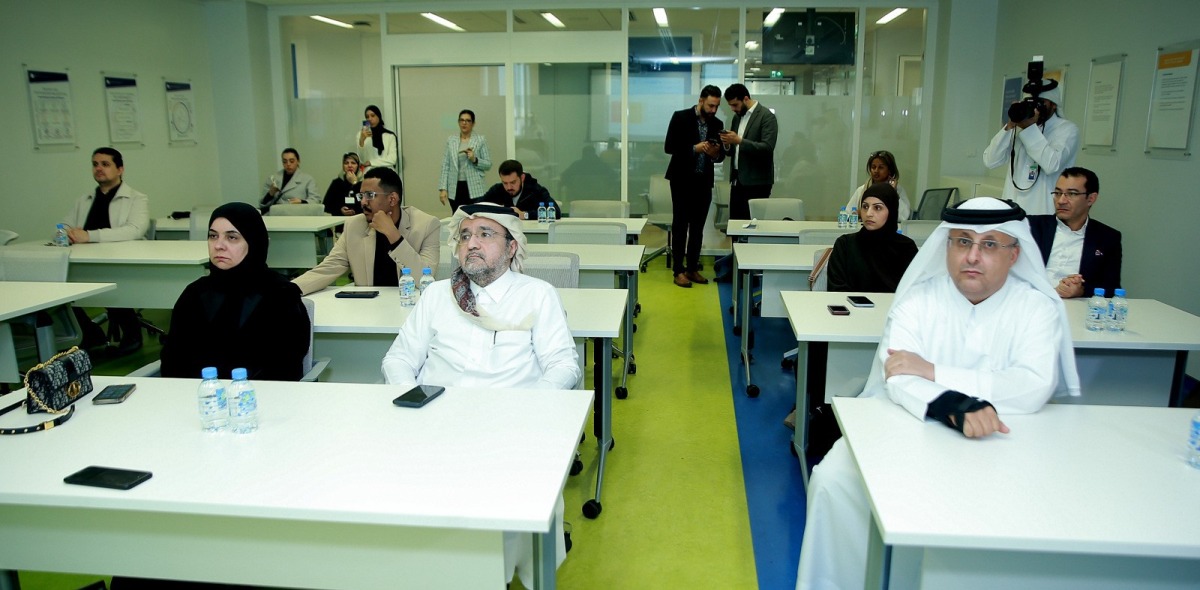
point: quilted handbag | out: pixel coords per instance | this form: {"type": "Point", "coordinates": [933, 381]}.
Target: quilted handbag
{"type": "Point", "coordinates": [57, 383]}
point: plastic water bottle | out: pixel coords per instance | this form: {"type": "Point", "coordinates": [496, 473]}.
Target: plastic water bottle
{"type": "Point", "coordinates": [541, 213]}
{"type": "Point", "coordinates": [60, 236]}
{"type": "Point", "coordinates": [426, 280]}
{"type": "Point", "coordinates": [1118, 311]}
{"type": "Point", "coordinates": [243, 404]}
{"type": "Point", "coordinates": [551, 213]}
{"type": "Point", "coordinates": [1097, 313]}
{"type": "Point", "coordinates": [854, 218]}
{"type": "Point", "coordinates": [1194, 441]}
{"type": "Point", "coordinates": [408, 288]}
{"type": "Point", "coordinates": [843, 219]}
{"type": "Point", "coordinates": [214, 415]}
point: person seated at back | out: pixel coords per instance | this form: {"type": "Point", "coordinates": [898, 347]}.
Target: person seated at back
{"type": "Point", "coordinates": [242, 314]}
{"type": "Point", "coordinates": [376, 245]}
{"type": "Point", "coordinates": [520, 192]}
{"type": "Point", "coordinates": [341, 196]}
{"type": "Point", "coordinates": [1080, 253]}
{"type": "Point", "coordinates": [874, 258]}
{"type": "Point", "coordinates": [289, 185]}
{"type": "Point", "coordinates": [488, 326]}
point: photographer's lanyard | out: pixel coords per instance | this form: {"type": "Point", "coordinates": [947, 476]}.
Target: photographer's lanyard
{"type": "Point", "coordinates": [1034, 170]}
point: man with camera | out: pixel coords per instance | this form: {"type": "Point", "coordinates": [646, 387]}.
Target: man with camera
{"type": "Point", "coordinates": [1036, 143]}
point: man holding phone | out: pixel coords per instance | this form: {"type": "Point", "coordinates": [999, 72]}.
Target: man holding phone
{"type": "Point", "coordinates": [694, 142]}
{"type": "Point", "coordinates": [488, 326]}
{"type": "Point", "coordinates": [750, 144]}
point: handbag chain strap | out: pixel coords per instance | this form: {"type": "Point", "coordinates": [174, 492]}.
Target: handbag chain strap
{"type": "Point", "coordinates": [72, 388]}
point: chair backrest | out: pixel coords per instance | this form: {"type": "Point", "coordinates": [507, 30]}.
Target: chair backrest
{"type": "Point", "coordinates": [297, 209]}
{"type": "Point", "coordinates": [658, 200]}
{"type": "Point", "coordinates": [7, 236]}
{"type": "Point", "coordinates": [777, 208]}
{"type": "Point", "coordinates": [560, 269]}
{"type": "Point", "coordinates": [608, 209]}
{"type": "Point", "coordinates": [819, 276]}
{"type": "Point", "coordinates": [918, 229]}
{"type": "Point", "coordinates": [817, 237]}
{"type": "Point", "coordinates": [198, 222]}
{"type": "Point", "coordinates": [587, 233]}
{"type": "Point", "coordinates": [47, 265]}
{"type": "Point", "coordinates": [932, 203]}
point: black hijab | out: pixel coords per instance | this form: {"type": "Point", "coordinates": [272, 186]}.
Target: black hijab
{"type": "Point", "coordinates": [252, 272]}
{"type": "Point", "coordinates": [377, 132]}
{"type": "Point", "coordinates": [885, 252]}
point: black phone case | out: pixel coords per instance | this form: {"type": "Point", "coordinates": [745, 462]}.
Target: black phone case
{"type": "Point", "coordinates": [107, 477]}
{"type": "Point", "coordinates": [356, 294]}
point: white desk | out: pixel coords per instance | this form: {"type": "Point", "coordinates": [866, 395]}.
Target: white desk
{"type": "Point", "coordinates": [537, 233]}
{"type": "Point", "coordinates": [784, 267]}
{"type": "Point", "coordinates": [1143, 366]}
{"type": "Point", "coordinates": [19, 299]}
{"type": "Point", "coordinates": [772, 231]}
{"type": "Point", "coordinates": [356, 333]}
{"type": "Point", "coordinates": [297, 242]}
{"type": "Point", "coordinates": [148, 274]}
{"type": "Point", "coordinates": [1075, 497]}
{"type": "Point", "coordinates": [338, 488]}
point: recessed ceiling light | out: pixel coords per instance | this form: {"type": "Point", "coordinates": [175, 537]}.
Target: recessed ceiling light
{"type": "Point", "coordinates": [330, 21]}
{"type": "Point", "coordinates": [772, 17]}
{"type": "Point", "coordinates": [891, 16]}
{"type": "Point", "coordinates": [550, 18]}
{"type": "Point", "coordinates": [660, 17]}
{"type": "Point", "coordinates": [751, 45]}
{"type": "Point", "coordinates": [441, 21]}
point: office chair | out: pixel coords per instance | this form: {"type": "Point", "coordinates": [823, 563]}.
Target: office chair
{"type": "Point", "coordinates": [611, 233]}
{"type": "Point", "coordinates": [818, 237]}
{"type": "Point", "coordinates": [560, 269]}
{"type": "Point", "coordinates": [8, 236]}
{"type": "Point", "coordinates": [48, 265]}
{"type": "Point", "coordinates": [720, 204]}
{"type": "Point", "coordinates": [312, 367]}
{"type": "Point", "coordinates": [605, 209]}
{"type": "Point", "coordinates": [818, 280]}
{"type": "Point", "coordinates": [918, 230]}
{"type": "Point", "coordinates": [932, 203]}
{"type": "Point", "coordinates": [297, 209]}
{"type": "Point", "coordinates": [660, 215]}
{"type": "Point", "coordinates": [777, 208]}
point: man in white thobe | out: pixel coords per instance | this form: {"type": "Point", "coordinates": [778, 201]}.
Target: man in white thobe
{"type": "Point", "coordinates": [488, 326]}
{"type": "Point", "coordinates": [975, 331]}
{"type": "Point", "coordinates": [1035, 150]}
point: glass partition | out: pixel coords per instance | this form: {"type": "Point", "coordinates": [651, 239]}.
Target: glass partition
{"type": "Point", "coordinates": [417, 23]}
{"type": "Point", "coordinates": [567, 19]}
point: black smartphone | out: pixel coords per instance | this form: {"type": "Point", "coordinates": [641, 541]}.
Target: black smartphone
{"type": "Point", "coordinates": [838, 310]}
{"type": "Point", "coordinates": [860, 301]}
{"type": "Point", "coordinates": [419, 396]}
{"type": "Point", "coordinates": [356, 294]}
{"type": "Point", "coordinates": [107, 477]}
{"type": "Point", "coordinates": [114, 394]}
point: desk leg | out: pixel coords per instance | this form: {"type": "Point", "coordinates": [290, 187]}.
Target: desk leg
{"type": "Point", "coordinates": [1177, 379]}
{"type": "Point", "coordinates": [602, 429]}
{"type": "Point", "coordinates": [9, 580]}
{"type": "Point", "coordinates": [544, 560]}
{"type": "Point", "coordinates": [800, 438]}
{"type": "Point", "coordinates": [879, 558]}
{"type": "Point", "coordinates": [737, 282]}
{"type": "Point", "coordinates": [45, 337]}
{"type": "Point", "coordinates": [627, 281]}
{"type": "Point", "coordinates": [751, 389]}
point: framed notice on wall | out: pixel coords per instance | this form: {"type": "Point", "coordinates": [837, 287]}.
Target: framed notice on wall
{"type": "Point", "coordinates": [1172, 100]}
{"type": "Point", "coordinates": [1104, 93]}
{"type": "Point", "coordinates": [124, 114]}
{"type": "Point", "coordinates": [181, 113]}
{"type": "Point", "coordinates": [50, 108]}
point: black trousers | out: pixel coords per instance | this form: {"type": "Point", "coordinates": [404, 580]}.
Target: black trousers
{"type": "Point", "coordinates": [740, 195]}
{"type": "Point", "coordinates": [690, 198]}
{"type": "Point", "coordinates": [462, 196]}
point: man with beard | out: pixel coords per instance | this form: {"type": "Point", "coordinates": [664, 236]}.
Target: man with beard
{"type": "Point", "coordinates": [520, 192]}
{"type": "Point", "coordinates": [376, 245]}
{"type": "Point", "coordinates": [694, 142]}
{"type": "Point", "coordinates": [750, 143]}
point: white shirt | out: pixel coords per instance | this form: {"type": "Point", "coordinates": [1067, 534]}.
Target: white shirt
{"type": "Point", "coordinates": [1003, 350]}
{"type": "Point", "coordinates": [741, 131]}
{"type": "Point", "coordinates": [1053, 149]}
{"type": "Point", "coordinates": [1066, 253]}
{"type": "Point", "coordinates": [437, 345]}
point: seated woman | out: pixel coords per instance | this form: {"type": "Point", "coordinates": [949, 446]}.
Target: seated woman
{"type": "Point", "coordinates": [339, 197]}
{"type": "Point", "coordinates": [881, 167]}
{"type": "Point", "coordinates": [875, 257]}
{"type": "Point", "coordinates": [242, 314]}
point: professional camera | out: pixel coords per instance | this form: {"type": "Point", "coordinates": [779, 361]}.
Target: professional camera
{"type": "Point", "coordinates": [1020, 111]}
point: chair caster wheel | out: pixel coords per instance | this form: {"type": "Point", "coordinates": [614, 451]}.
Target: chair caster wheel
{"type": "Point", "coordinates": [591, 509]}
{"type": "Point", "coordinates": [567, 541]}
{"type": "Point", "coordinates": [788, 364]}
{"type": "Point", "coordinates": [792, 447]}
{"type": "Point", "coordinates": [612, 444]}
{"type": "Point", "coordinates": [752, 390]}
{"type": "Point", "coordinates": [737, 330]}
{"type": "Point", "coordinates": [643, 268]}
{"type": "Point", "coordinates": [635, 328]}
{"type": "Point", "coordinates": [637, 309]}
{"type": "Point", "coordinates": [633, 368]}
{"type": "Point", "coordinates": [577, 467]}
{"type": "Point", "coordinates": [622, 393]}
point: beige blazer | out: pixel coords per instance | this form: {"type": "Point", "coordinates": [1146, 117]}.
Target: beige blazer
{"type": "Point", "coordinates": [128, 214]}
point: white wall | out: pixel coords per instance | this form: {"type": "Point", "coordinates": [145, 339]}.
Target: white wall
{"type": "Point", "coordinates": [149, 38]}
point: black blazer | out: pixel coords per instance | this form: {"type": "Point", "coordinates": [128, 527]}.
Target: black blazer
{"type": "Point", "coordinates": [758, 147]}
{"type": "Point", "coordinates": [682, 134]}
{"type": "Point", "coordinates": [1100, 262]}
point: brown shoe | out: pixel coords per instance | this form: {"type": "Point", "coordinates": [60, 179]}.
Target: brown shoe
{"type": "Point", "coordinates": [681, 280]}
{"type": "Point", "coordinates": [696, 277]}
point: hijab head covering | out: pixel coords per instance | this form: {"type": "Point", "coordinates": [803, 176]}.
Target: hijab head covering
{"type": "Point", "coordinates": [377, 132]}
{"type": "Point", "coordinates": [498, 213]}
{"type": "Point", "coordinates": [886, 193]}
{"type": "Point", "coordinates": [982, 215]}
{"type": "Point", "coordinates": [249, 223]}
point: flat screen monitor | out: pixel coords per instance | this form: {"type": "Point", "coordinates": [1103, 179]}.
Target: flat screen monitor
{"type": "Point", "coordinates": [811, 37]}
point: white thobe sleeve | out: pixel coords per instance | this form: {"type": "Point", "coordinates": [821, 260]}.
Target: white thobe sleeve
{"type": "Point", "coordinates": [553, 345]}
{"type": "Point", "coordinates": [403, 361]}
{"type": "Point", "coordinates": [996, 153]}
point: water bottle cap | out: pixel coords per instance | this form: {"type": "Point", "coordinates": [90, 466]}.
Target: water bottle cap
{"type": "Point", "coordinates": [208, 373]}
{"type": "Point", "coordinates": [843, 208]}
{"type": "Point", "coordinates": [239, 374]}
{"type": "Point", "coordinates": [406, 271]}
{"type": "Point", "coordinates": [61, 226]}
{"type": "Point", "coordinates": [1119, 293]}
{"type": "Point", "coordinates": [1098, 292]}
{"type": "Point", "coordinates": [426, 271]}
{"type": "Point", "coordinates": [541, 204]}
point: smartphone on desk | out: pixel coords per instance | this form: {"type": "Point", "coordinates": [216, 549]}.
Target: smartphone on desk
{"type": "Point", "coordinates": [107, 477]}
{"type": "Point", "coordinates": [419, 396]}
{"type": "Point", "coordinates": [114, 394]}
{"type": "Point", "coordinates": [356, 294]}
{"type": "Point", "coordinates": [860, 301]}
{"type": "Point", "coordinates": [838, 310]}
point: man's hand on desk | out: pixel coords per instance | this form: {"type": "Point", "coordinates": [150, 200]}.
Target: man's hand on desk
{"type": "Point", "coordinates": [981, 423]}
{"type": "Point", "coordinates": [78, 235]}
{"type": "Point", "coordinates": [903, 362]}
{"type": "Point", "coordinates": [1070, 286]}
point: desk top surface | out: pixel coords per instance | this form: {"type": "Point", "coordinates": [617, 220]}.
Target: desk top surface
{"type": "Point", "coordinates": [591, 313]}
{"type": "Point", "coordinates": [777, 228]}
{"type": "Point", "coordinates": [776, 256]}
{"type": "Point", "coordinates": [325, 452]}
{"type": "Point", "coordinates": [1071, 478]}
{"type": "Point", "coordinates": [633, 225]}
{"type": "Point", "coordinates": [135, 252]}
{"type": "Point", "coordinates": [599, 257]}
{"type": "Point", "coordinates": [1153, 325]}
{"type": "Point", "coordinates": [18, 298]}
{"type": "Point", "coordinates": [280, 223]}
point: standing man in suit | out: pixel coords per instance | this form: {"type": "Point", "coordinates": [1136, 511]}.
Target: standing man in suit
{"type": "Point", "coordinates": [750, 143]}
{"type": "Point", "coordinates": [1080, 253]}
{"type": "Point", "coordinates": [289, 185]}
{"type": "Point", "coordinates": [384, 239]}
{"type": "Point", "coordinates": [693, 140]}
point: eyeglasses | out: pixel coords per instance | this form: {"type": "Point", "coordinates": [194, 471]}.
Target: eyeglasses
{"type": "Point", "coordinates": [1073, 194]}
{"type": "Point", "coordinates": [486, 235]}
{"type": "Point", "coordinates": [464, 120]}
{"type": "Point", "coordinates": [985, 246]}
{"type": "Point", "coordinates": [879, 153]}
{"type": "Point", "coordinates": [367, 195]}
